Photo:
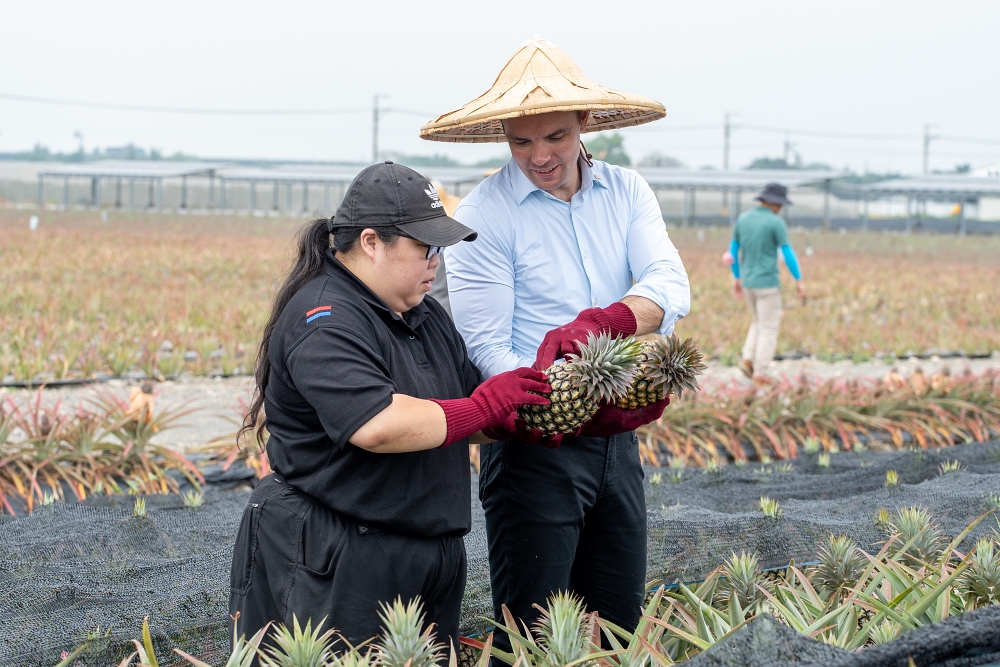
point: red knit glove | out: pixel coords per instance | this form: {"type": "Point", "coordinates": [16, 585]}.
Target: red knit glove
{"type": "Point", "coordinates": [493, 402]}
{"type": "Point", "coordinates": [617, 320]}
{"type": "Point", "coordinates": [611, 420]}
{"type": "Point", "coordinates": [515, 428]}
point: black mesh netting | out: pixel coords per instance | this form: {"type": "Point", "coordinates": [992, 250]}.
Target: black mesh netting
{"type": "Point", "coordinates": [69, 571]}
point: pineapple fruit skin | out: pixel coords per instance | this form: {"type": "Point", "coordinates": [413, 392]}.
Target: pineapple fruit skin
{"type": "Point", "coordinates": [602, 371]}
{"type": "Point", "coordinates": [569, 407]}
{"type": "Point", "coordinates": [642, 391]}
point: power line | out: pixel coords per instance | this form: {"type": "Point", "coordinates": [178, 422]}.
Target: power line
{"type": "Point", "coordinates": [200, 111]}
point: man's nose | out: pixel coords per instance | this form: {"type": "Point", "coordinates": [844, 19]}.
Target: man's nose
{"type": "Point", "coordinates": [540, 155]}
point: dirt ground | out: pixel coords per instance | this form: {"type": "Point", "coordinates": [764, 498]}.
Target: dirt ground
{"type": "Point", "coordinates": [217, 400]}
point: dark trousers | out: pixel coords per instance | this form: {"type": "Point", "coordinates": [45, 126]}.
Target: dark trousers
{"type": "Point", "coordinates": [295, 557]}
{"type": "Point", "coordinates": [572, 518]}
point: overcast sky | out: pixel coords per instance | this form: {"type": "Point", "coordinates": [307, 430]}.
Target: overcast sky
{"type": "Point", "coordinates": [868, 67]}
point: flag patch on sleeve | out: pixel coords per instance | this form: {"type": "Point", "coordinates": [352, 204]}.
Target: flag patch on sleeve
{"type": "Point", "coordinates": [316, 313]}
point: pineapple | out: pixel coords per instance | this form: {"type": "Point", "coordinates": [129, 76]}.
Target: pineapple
{"type": "Point", "coordinates": [666, 366]}
{"type": "Point", "coordinates": [602, 372]}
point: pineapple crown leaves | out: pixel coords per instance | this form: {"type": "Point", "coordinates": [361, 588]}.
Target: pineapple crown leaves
{"type": "Point", "coordinates": [980, 583]}
{"type": "Point", "coordinates": [298, 646]}
{"type": "Point", "coordinates": [606, 366]}
{"type": "Point", "coordinates": [244, 651]}
{"type": "Point", "coordinates": [918, 539]}
{"type": "Point", "coordinates": [840, 565]}
{"type": "Point", "coordinates": [403, 644]}
{"type": "Point", "coordinates": [673, 363]}
{"type": "Point", "coordinates": [742, 574]}
{"type": "Point", "coordinates": [563, 630]}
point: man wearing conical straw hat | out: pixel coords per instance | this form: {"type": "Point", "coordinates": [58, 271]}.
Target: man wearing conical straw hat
{"type": "Point", "coordinates": [567, 247]}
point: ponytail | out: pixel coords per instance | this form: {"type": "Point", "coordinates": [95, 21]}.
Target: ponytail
{"type": "Point", "coordinates": [312, 242]}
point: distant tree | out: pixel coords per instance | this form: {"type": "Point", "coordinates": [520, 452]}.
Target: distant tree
{"type": "Point", "coordinates": [492, 162]}
{"type": "Point", "coordinates": [770, 163]}
{"type": "Point", "coordinates": [963, 168]}
{"type": "Point", "coordinates": [609, 148]}
{"type": "Point", "coordinates": [781, 163]}
{"type": "Point", "coordinates": [436, 160]}
{"type": "Point", "coordinates": [657, 159]}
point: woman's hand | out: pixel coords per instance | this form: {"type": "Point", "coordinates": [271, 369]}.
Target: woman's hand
{"type": "Point", "coordinates": [494, 402]}
{"type": "Point", "coordinates": [411, 424]}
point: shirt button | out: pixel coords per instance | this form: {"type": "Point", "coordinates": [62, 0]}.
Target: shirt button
{"type": "Point", "coordinates": [412, 337]}
{"type": "Point", "coordinates": [595, 302]}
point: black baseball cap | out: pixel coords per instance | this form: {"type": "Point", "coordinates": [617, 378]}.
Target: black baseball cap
{"type": "Point", "coordinates": [775, 193]}
{"type": "Point", "coordinates": [388, 194]}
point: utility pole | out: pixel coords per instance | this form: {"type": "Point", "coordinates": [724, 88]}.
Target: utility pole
{"type": "Point", "coordinates": [927, 146]}
{"type": "Point", "coordinates": [725, 144]}
{"type": "Point", "coordinates": [376, 114]}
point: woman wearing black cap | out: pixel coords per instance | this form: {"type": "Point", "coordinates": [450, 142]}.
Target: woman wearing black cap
{"type": "Point", "coordinates": [370, 401]}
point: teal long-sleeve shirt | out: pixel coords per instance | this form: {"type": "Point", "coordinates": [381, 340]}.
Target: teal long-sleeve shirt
{"type": "Point", "coordinates": [757, 236]}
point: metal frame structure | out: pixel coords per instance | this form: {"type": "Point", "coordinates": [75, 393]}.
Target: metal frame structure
{"type": "Point", "coordinates": [947, 187]}
{"type": "Point", "coordinates": [152, 171]}
{"type": "Point", "coordinates": [326, 176]}
{"type": "Point", "coordinates": [733, 184]}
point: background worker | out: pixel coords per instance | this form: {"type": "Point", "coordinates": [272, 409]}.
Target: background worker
{"type": "Point", "coordinates": [370, 400]}
{"type": "Point", "coordinates": [757, 237]}
{"type": "Point", "coordinates": [567, 247]}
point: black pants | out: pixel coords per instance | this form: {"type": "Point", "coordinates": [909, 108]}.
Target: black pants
{"type": "Point", "coordinates": [295, 557]}
{"type": "Point", "coordinates": [572, 518]}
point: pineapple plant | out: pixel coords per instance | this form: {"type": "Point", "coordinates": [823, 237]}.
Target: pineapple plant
{"type": "Point", "coordinates": [602, 372]}
{"type": "Point", "coordinates": [918, 539]}
{"type": "Point", "coordinates": [667, 366]}
{"type": "Point", "coordinates": [840, 566]}
{"type": "Point", "coordinates": [980, 583]}
{"type": "Point", "coordinates": [298, 646]}
{"type": "Point", "coordinates": [403, 643]}
{"type": "Point", "coordinates": [742, 576]}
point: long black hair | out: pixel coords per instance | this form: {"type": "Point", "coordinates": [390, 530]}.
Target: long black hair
{"type": "Point", "coordinates": [312, 242]}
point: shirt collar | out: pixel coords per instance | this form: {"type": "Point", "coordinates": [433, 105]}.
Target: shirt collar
{"type": "Point", "coordinates": [336, 269]}
{"type": "Point", "coordinates": [521, 185]}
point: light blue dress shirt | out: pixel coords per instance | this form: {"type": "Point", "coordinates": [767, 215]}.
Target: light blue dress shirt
{"type": "Point", "coordinates": [539, 261]}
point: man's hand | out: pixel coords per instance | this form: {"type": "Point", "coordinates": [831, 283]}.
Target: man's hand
{"type": "Point", "coordinates": [616, 320]}
{"type": "Point", "coordinates": [611, 420]}
{"type": "Point", "coordinates": [738, 288]}
{"type": "Point", "coordinates": [800, 289]}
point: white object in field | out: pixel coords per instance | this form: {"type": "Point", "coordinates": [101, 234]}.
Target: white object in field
{"type": "Point", "coordinates": [104, 217]}
{"type": "Point", "coordinates": [33, 223]}
{"type": "Point", "coordinates": [809, 251]}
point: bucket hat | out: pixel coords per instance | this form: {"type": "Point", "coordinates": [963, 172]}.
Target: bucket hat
{"type": "Point", "coordinates": [540, 78]}
{"type": "Point", "coordinates": [775, 193]}
{"type": "Point", "coordinates": [391, 195]}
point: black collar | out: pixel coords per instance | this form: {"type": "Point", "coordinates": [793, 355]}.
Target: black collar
{"type": "Point", "coordinates": [334, 268]}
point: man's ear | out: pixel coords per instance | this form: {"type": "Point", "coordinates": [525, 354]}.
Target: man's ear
{"type": "Point", "coordinates": [584, 119]}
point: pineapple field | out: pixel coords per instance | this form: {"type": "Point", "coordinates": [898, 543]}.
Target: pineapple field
{"type": "Point", "coordinates": [167, 295]}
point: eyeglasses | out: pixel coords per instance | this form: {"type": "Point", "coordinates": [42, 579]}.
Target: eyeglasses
{"type": "Point", "coordinates": [431, 249]}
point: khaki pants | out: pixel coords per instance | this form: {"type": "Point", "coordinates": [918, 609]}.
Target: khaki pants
{"type": "Point", "coordinates": [762, 338]}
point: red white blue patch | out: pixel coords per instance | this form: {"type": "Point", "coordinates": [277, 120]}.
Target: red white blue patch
{"type": "Point", "coordinates": [317, 313]}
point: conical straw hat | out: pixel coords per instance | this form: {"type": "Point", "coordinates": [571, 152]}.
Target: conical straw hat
{"type": "Point", "coordinates": [540, 78]}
